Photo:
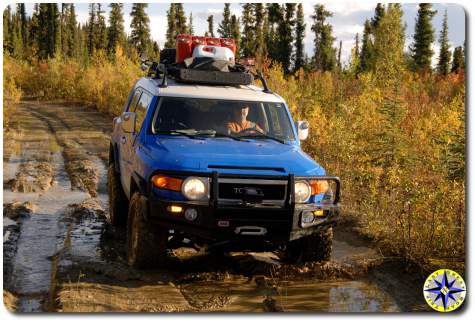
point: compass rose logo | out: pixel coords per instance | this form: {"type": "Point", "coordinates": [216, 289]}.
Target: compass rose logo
{"type": "Point", "coordinates": [444, 290]}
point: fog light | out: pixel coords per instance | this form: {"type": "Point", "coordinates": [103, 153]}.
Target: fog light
{"type": "Point", "coordinates": [191, 214]}
{"type": "Point", "coordinates": [307, 218]}
{"type": "Point", "coordinates": [319, 213]}
{"type": "Point", "coordinates": [175, 209]}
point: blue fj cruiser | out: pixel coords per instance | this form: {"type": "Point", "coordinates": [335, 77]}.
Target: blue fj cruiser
{"type": "Point", "coordinates": [201, 160]}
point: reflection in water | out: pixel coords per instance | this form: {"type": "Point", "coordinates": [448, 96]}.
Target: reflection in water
{"type": "Point", "coordinates": [336, 296]}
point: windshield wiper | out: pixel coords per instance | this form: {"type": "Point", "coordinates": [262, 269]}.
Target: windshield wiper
{"type": "Point", "coordinates": [188, 133]}
{"type": "Point", "coordinates": [194, 134]}
{"type": "Point", "coordinates": [262, 135]}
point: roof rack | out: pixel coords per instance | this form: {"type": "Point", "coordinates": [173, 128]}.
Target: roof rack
{"type": "Point", "coordinates": [238, 74]}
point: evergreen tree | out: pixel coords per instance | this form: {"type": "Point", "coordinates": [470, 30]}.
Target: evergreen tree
{"type": "Point", "coordinates": [235, 31]}
{"type": "Point", "coordinates": [91, 29]}
{"type": "Point", "coordinates": [248, 37]}
{"type": "Point", "coordinates": [443, 66]}
{"type": "Point", "coordinates": [7, 29]}
{"type": "Point", "coordinates": [191, 30]}
{"type": "Point", "coordinates": [260, 17]}
{"type": "Point", "coordinates": [140, 34]}
{"type": "Point", "coordinates": [21, 12]}
{"type": "Point", "coordinates": [458, 62]}
{"type": "Point", "coordinates": [378, 15]}
{"type": "Point", "coordinates": [324, 55]}
{"type": "Point", "coordinates": [72, 28]}
{"type": "Point", "coordinates": [33, 30]}
{"type": "Point", "coordinates": [48, 32]}
{"type": "Point", "coordinates": [354, 65]}
{"type": "Point", "coordinates": [367, 50]}
{"type": "Point", "coordinates": [299, 61]}
{"type": "Point", "coordinates": [339, 57]}
{"type": "Point", "coordinates": [210, 21]}
{"type": "Point", "coordinates": [224, 28]}
{"type": "Point", "coordinates": [116, 33]}
{"type": "Point", "coordinates": [171, 28]}
{"type": "Point", "coordinates": [389, 45]}
{"type": "Point", "coordinates": [423, 38]}
{"type": "Point", "coordinates": [275, 16]}
{"type": "Point", "coordinates": [180, 18]}
{"type": "Point", "coordinates": [101, 29]}
{"type": "Point", "coordinates": [285, 37]}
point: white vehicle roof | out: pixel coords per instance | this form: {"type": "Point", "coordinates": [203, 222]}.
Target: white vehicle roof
{"type": "Point", "coordinates": [178, 89]}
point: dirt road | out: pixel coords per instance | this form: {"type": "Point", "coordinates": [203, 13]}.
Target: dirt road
{"type": "Point", "coordinates": [60, 254]}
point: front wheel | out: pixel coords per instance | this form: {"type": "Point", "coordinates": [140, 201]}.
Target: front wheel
{"type": "Point", "coordinates": [146, 243]}
{"type": "Point", "coordinates": [316, 247]}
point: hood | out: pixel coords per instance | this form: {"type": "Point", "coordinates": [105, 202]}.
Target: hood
{"type": "Point", "coordinates": [231, 156]}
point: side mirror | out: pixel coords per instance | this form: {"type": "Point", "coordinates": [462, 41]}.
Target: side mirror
{"type": "Point", "coordinates": [302, 130]}
{"type": "Point", "coordinates": [128, 122]}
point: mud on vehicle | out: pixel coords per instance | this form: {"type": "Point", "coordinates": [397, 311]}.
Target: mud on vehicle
{"type": "Point", "coordinates": [201, 157]}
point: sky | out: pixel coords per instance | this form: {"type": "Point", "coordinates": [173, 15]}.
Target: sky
{"type": "Point", "coordinates": [348, 19]}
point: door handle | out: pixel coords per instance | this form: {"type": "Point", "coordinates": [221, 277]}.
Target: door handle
{"type": "Point", "coordinates": [123, 139]}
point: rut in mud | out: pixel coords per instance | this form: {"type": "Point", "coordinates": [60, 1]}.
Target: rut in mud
{"type": "Point", "coordinates": [60, 254]}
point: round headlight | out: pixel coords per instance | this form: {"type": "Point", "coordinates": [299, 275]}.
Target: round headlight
{"type": "Point", "coordinates": [303, 191]}
{"type": "Point", "coordinates": [195, 188]}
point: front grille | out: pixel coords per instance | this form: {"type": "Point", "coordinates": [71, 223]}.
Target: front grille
{"type": "Point", "coordinates": [272, 190]}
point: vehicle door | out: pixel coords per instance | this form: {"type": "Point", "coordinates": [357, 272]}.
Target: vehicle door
{"type": "Point", "coordinates": [131, 139]}
{"type": "Point", "coordinates": [124, 146]}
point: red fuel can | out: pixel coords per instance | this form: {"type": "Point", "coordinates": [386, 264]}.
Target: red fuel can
{"type": "Point", "coordinates": [196, 41]}
{"type": "Point", "coordinates": [229, 43]}
{"type": "Point", "coordinates": [213, 41]}
{"type": "Point", "coordinates": [183, 47]}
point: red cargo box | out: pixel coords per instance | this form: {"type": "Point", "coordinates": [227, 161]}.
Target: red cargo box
{"type": "Point", "coordinates": [183, 47]}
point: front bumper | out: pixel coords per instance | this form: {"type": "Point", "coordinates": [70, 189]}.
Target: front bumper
{"type": "Point", "coordinates": [251, 226]}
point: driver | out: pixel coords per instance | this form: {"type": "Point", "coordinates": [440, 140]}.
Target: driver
{"type": "Point", "coordinates": [239, 122]}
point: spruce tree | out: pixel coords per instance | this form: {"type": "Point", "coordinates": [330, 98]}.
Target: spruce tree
{"type": "Point", "coordinates": [21, 12]}
{"type": "Point", "coordinates": [210, 21]}
{"type": "Point", "coordinates": [367, 50]}
{"type": "Point", "coordinates": [72, 27]}
{"type": "Point", "coordinates": [443, 65]}
{"type": "Point", "coordinates": [275, 16]}
{"type": "Point", "coordinates": [91, 29]}
{"type": "Point", "coordinates": [299, 61]}
{"type": "Point", "coordinates": [101, 29]}
{"type": "Point", "coordinates": [389, 45]}
{"type": "Point", "coordinates": [191, 30]}
{"type": "Point", "coordinates": [224, 28]}
{"type": "Point", "coordinates": [339, 57]}
{"type": "Point", "coordinates": [285, 36]}
{"type": "Point", "coordinates": [458, 62]}
{"type": "Point", "coordinates": [115, 33]}
{"type": "Point", "coordinates": [248, 37]}
{"type": "Point", "coordinates": [378, 15]}
{"type": "Point", "coordinates": [180, 18]}
{"type": "Point", "coordinates": [260, 44]}
{"type": "Point", "coordinates": [236, 32]}
{"type": "Point", "coordinates": [421, 49]}
{"type": "Point", "coordinates": [171, 28]}
{"type": "Point", "coordinates": [48, 31]}
{"type": "Point", "coordinates": [140, 34]}
{"type": "Point", "coordinates": [7, 29]}
{"type": "Point", "coordinates": [324, 54]}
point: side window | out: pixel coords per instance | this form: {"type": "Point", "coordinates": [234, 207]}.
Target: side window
{"type": "Point", "coordinates": [134, 100]}
{"type": "Point", "coordinates": [141, 110]}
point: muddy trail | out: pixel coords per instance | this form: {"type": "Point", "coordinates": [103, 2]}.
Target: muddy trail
{"type": "Point", "coordinates": [60, 253]}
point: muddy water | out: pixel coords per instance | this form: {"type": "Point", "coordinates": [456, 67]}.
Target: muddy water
{"type": "Point", "coordinates": [67, 258]}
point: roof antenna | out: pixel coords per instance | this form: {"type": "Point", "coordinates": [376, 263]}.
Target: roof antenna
{"type": "Point", "coordinates": [164, 83]}
{"type": "Point", "coordinates": [264, 83]}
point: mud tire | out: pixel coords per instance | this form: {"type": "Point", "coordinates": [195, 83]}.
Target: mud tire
{"type": "Point", "coordinates": [146, 243]}
{"type": "Point", "coordinates": [118, 203]}
{"type": "Point", "coordinates": [314, 248]}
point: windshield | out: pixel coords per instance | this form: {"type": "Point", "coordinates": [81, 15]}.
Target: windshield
{"type": "Point", "coordinates": [235, 119]}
